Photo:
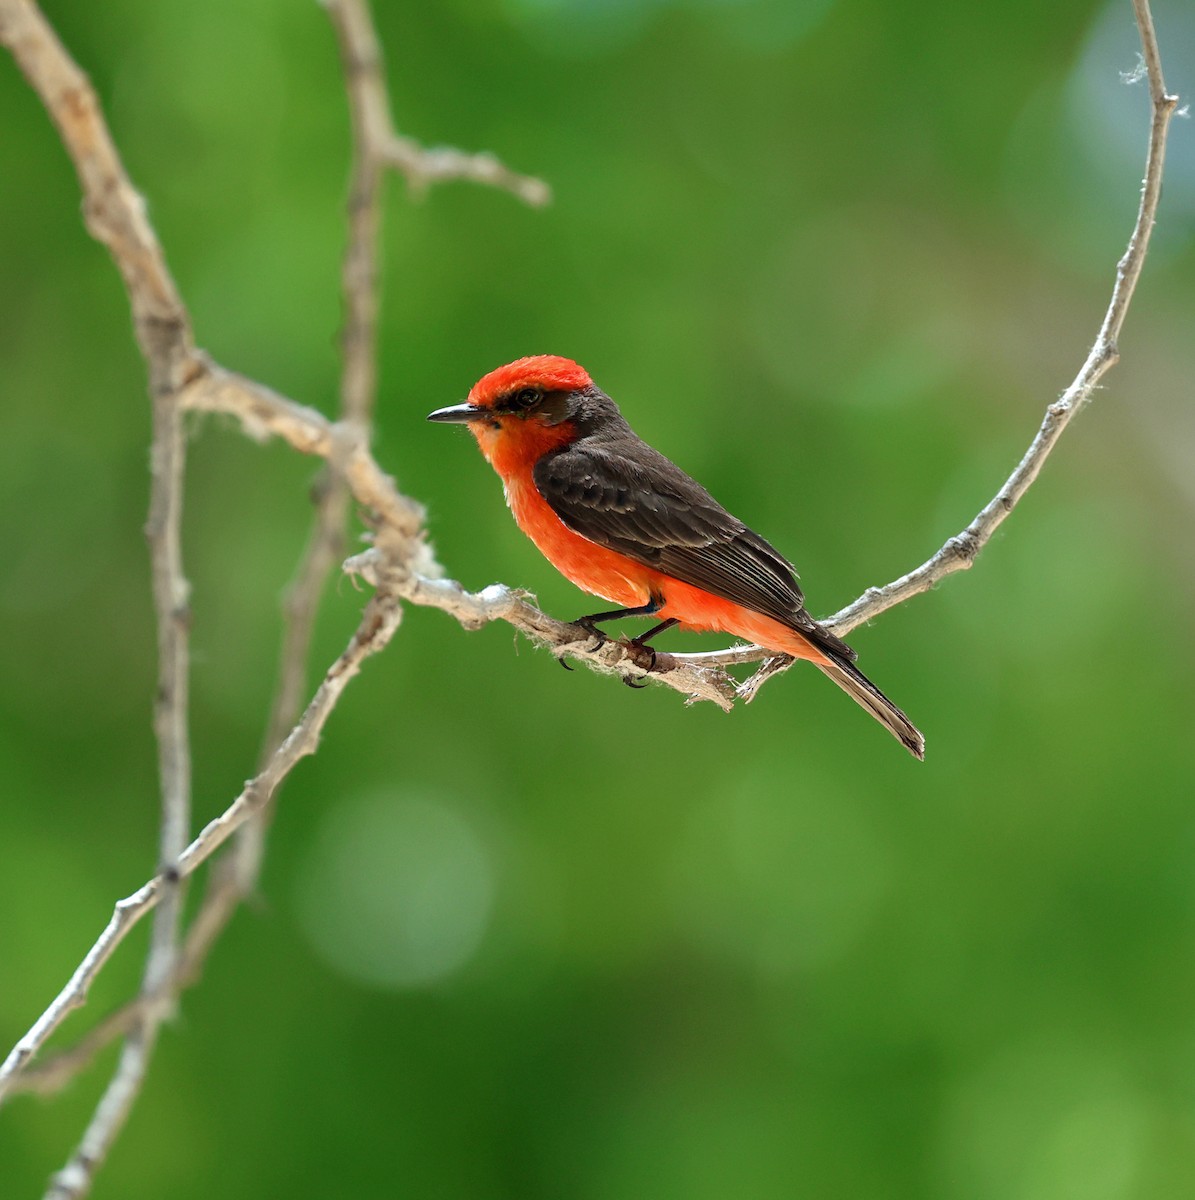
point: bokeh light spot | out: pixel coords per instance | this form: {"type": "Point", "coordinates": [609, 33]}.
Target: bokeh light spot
{"type": "Point", "coordinates": [1049, 1119]}
{"type": "Point", "coordinates": [396, 891]}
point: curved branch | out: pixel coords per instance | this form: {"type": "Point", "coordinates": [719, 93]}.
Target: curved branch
{"type": "Point", "coordinates": [113, 210]}
{"type": "Point", "coordinates": [959, 551]}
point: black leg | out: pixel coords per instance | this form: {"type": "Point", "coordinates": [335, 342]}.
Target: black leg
{"type": "Point", "coordinates": [644, 610]}
{"type": "Point", "coordinates": [644, 638]}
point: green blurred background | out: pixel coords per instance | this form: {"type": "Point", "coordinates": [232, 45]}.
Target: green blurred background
{"type": "Point", "coordinates": [527, 934]}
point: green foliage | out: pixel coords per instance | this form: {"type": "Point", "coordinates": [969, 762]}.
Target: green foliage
{"type": "Point", "coordinates": [833, 258]}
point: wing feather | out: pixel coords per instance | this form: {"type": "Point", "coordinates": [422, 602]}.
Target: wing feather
{"type": "Point", "coordinates": [633, 500]}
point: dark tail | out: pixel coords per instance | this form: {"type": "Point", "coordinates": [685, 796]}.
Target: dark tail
{"type": "Point", "coordinates": [868, 696]}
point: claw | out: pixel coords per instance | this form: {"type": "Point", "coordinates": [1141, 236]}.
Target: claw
{"type": "Point", "coordinates": [599, 638]}
{"type": "Point", "coordinates": [632, 684]}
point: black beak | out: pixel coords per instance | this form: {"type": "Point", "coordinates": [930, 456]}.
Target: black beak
{"type": "Point", "coordinates": [458, 414]}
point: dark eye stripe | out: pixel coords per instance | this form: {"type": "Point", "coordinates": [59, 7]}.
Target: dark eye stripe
{"type": "Point", "coordinates": [520, 400]}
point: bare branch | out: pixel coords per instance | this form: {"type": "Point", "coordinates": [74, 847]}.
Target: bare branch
{"type": "Point", "coordinates": [421, 167]}
{"type": "Point", "coordinates": [439, 164]}
{"type": "Point", "coordinates": [369, 116]}
{"type": "Point", "coordinates": [74, 995]}
{"type": "Point", "coordinates": [381, 619]}
{"type": "Point", "coordinates": [368, 108]}
{"type": "Point", "coordinates": [114, 212]}
{"type": "Point", "coordinates": [499, 603]}
{"type": "Point", "coordinates": [48, 1075]}
{"type": "Point", "coordinates": [959, 551]}
{"type": "Point", "coordinates": [327, 540]}
{"type": "Point", "coordinates": [115, 1104]}
{"type": "Point", "coordinates": [300, 607]}
{"type": "Point", "coordinates": [172, 608]}
{"type": "Point", "coordinates": [369, 112]}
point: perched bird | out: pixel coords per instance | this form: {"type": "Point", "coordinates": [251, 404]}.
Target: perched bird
{"type": "Point", "coordinates": [621, 521]}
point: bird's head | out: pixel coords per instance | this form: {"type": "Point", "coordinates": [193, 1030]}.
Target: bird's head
{"type": "Point", "coordinates": [535, 404]}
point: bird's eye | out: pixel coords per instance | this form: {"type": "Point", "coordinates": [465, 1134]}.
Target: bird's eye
{"type": "Point", "coordinates": [526, 397]}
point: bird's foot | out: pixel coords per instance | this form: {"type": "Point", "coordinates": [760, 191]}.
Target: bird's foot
{"type": "Point", "coordinates": [597, 639]}
{"type": "Point", "coordinates": [636, 649]}
{"type": "Point", "coordinates": [643, 656]}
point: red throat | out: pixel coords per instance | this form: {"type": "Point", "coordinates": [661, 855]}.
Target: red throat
{"type": "Point", "coordinates": [513, 447]}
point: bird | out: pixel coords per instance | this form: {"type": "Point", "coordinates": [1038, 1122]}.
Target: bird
{"type": "Point", "coordinates": [626, 524]}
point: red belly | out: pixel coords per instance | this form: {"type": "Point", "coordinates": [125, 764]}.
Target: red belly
{"type": "Point", "coordinates": [591, 567]}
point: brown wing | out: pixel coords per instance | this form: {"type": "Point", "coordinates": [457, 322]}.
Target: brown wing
{"type": "Point", "coordinates": [630, 498]}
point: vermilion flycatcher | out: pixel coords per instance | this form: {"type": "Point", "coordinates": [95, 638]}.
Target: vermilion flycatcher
{"type": "Point", "coordinates": [619, 520]}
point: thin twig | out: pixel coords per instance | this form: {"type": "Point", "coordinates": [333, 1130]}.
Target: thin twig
{"type": "Point", "coordinates": [377, 627]}
{"type": "Point", "coordinates": [49, 1074]}
{"type": "Point", "coordinates": [369, 117]}
{"type": "Point", "coordinates": [76, 1177]}
{"type": "Point", "coordinates": [959, 552]}
{"type": "Point", "coordinates": [172, 609]}
{"type": "Point", "coordinates": [420, 166]}
{"type": "Point", "coordinates": [424, 166]}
